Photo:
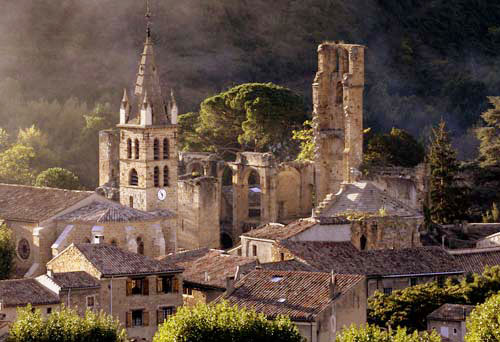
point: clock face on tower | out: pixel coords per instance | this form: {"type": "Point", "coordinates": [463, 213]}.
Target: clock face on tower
{"type": "Point", "coordinates": [162, 194]}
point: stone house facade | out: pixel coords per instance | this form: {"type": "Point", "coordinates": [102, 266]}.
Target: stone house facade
{"type": "Point", "coordinates": [449, 321]}
{"type": "Point", "coordinates": [139, 291]}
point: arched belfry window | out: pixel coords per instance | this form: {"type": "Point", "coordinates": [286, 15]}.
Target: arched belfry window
{"type": "Point", "coordinates": [156, 176]}
{"type": "Point", "coordinates": [156, 149]}
{"type": "Point", "coordinates": [129, 148]}
{"type": "Point", "coordinates": [133, 178]}
{"type": "Point", "coordinates": [165, 176]}
{"type": "Point", "coordinates": [340, 93]}
{"type": "Point", "coordinates": [165, 148]}
{"type": "Point", "coordinates": [136, 143]}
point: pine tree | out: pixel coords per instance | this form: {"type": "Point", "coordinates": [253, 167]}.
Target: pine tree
{"type": "Point", "coordinates": [489, 136]}
{"type": "Point", "coordinates": [446, 201]}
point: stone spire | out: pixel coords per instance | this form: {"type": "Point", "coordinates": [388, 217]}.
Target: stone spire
{"type": "Point", "coordinates": [148, 81]}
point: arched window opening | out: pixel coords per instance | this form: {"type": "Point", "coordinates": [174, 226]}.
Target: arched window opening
{"type": "Point", "coordinates": [340, 93]}
{"type": "Point", "coordinates": [129, 148]}
{"type": "Point", "coordinates": [227, 177]}
{"type": "Point", "coordinates": [165, 176]}
{"type": "Point", "coordinates": [226, 241]}
{"type": "Point", "coordinates": [133, 178]}
{"type": "Point", "coordinates": [156, 149]}
{"type": "Point", "coordinates": [254, 192]}
{"type": "Point", "coordinates": [140, 246]}
{"type": "Point", "coordinates": [136, 143]}
{"type": "Point", "coordinates": [362, 243]}
{"type": "Point", "coordinates": [165, 149]}
{"type": "Point", "coordinates": [196, 169]}
{"type": "Point", "coordinates": [157, 176]}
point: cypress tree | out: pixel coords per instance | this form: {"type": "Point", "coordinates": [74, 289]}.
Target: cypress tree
{"type": "Point", "coordinates": [446, 201]}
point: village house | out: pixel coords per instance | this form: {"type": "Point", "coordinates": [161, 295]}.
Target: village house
{"type": "Point", "coordinates": [319, 304]}
{"type": "Point", "coordinates": [449, 321]}
{"type": "Point", "coordinates": [139, 291]}
{"type": "Point", "coordinates": [206, 272]}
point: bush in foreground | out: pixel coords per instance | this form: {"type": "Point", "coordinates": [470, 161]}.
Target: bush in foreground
{"type": "Point", "coordinates": [483, 324]}
{"type": "Point", "coordinates": [225, 323]}
{"type": "Point", "coordinates": [65, 326]}
{"type": "Point", "coordinates": [372, 333]}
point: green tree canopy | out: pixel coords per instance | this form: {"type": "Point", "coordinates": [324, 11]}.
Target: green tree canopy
{"type": "Point", "coordinates": [16, 165]}
{"type": "Point", "coordinates": [224, 323]}
{"type": "Point", "coordinates": [396, 148]}
{"type": "Point", "coordinates": [372, 333]}
{"type": "Point", "coordinates": [57, 177]}
{"type": "Point", "coordinates": [306, 138]}
{"type": "Point", "coordinates": [65, 326]}
{"type": "Point", "coordinates": [250, 117]}
{"type": "Point", "coordinates": [446, 199]}
{"type": "Point", "coordinates": [409, 307]}
{"type": "Point", "coordinates": [489, 136]}
{"type": "Point", "coordinates": [7, 252]}
{"type": "Point", "coordinates": [483, 323]}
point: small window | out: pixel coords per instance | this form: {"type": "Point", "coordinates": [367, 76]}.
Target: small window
{"type": "Point", "coordinates": [165, 313]}
{"type": "Point", "coordinates": [130, 202]}
{"type": "Point", "coordinates": [156, 149]}
{"type": "Point", "coordinates": [254, 250]}
{"type": "Point", "coordinates": [165, 284]}
{"type": "Point", "coordinates": [133, 178]}
{"type": "Point", "coordinates": [165, 149]}
{"type": "Point", "coordinates": [282, 256]}
{"type": "Point", "coordinates": [137, 286]}
{"type": "Point", "coordinates": [188, 291]}
{"type": "Point", "coordinates": [455, 331]}
{"type": "Point", "coordinates": [165, 176]}
{"type": "Point", "coordinates": [49, 311]}
{"type": "Point", "coordinates": [362, 243]}
{"type": "Point", "coordinates": [413, 281]}
{"type": "Point", "coordinates": [114, 243]}
{"type": "Point", "coordinates": [156, 176]}
{"type": "Point", "coordinates": [90, 302]}
{"type": "Point", "coordinates": [388, 290]}
{"type": "Point", "coordinates": [136, 143]}
{"type": "Point", "coordinates": [129, 148]}
{"type": "Point", "coordinates": [137, 318]}
{"type": "Point", "coordinates": [140, 246]}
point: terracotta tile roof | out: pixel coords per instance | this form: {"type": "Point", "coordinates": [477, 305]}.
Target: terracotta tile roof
{"type": "Point", "coordinates": [114, 261]}
{"type": "Point", "coordinates": [364, 197]}
{"type": "Point", "coordinates": [276, 231]}
{"type": "Point", "coordinates": [208, 267]}
{"type": "Point", "coordinates": [343, 257]}
{"type": "Point", "coordinates": [102, 212]}
{"type": "Point", "coordinates": [288, 265]}
{"type": "Point", "coordinates": [75, 280]}
{"type": "Point", "coordinates": [451, 312]}
{"type": "Point", "coordinates": [33, 204]}
{"type": "Point", "coordinates": [300, 295]}
{"type": "Point", "coordinates": [475, 260]}
{"type": "Point", "coordinates": [20, 292]}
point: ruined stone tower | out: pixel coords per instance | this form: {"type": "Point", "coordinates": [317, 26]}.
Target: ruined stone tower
{"type": "Point", "coordinates": [338, 115]}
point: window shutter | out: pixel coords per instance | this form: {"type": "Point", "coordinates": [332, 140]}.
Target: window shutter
{"type": "Point", "coordinates": [129, 287]}
{"type": "Point", "coordinates": [176, 284]}
{"type": "Point", "coordinates": [128, 319]}
{"type": "Point", "coordinates": [159, 285]}
{"type": "Point", "coordinates": [145, 287]}
{"type": "Point", "coordinates": [145, 318]}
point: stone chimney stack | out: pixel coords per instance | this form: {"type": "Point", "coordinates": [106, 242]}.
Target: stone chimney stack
{"type": "Point", "coordinates": [333, 285]}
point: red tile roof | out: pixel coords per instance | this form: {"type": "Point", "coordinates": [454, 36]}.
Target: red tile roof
{"type": "Point", "coordinates": [343, 257]}
{"type": "Point", "coordinates": [34, 204]}
{"type": "Point", "coordinates": [300, 295]}
{"type": "Point", "coordinates": [209, 267]}
{"type": "Point", "coordinates": [102, 212]}
{"type": "Point", "coordinates": [75, 280]}
{"type": "Point", "coordinates": [20, 292]}
{"type": "Point", "coordinates": [276, 231]}
{"type": "Point", "coordinates": [475, 260]}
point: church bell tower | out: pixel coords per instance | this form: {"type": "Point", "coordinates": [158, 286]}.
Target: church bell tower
{"type": "Point", "coordinates": [148, 139]}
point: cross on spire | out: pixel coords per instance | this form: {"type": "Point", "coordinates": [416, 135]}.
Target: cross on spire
{"type": "Point", "coordinates": [148, 18]}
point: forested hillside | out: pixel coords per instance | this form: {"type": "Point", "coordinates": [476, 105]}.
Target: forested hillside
{"type": "Point", "coordinates": [425, 60]}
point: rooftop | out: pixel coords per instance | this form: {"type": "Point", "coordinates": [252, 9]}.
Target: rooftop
{"type": "Point", "coordinates": [103, 212]}
{"type": "Point", "coordinates": [300, 295]}
{"type": "Point", "coordinates": [20, 292]}
{"type": "Point", "coordinates": [208, 267]}
{"type": "Point", "coordinates": [343, 257]}
{"type": "Point", "coordinates": [451, 312]}
{"type": "Point", "coordinates": [113, 261]}
{"type": "Point", "coordinates": [34, 204]}
{"type": "Point", "coordinates": [75, 280]}
{"type": "Point", "coordinates": [475, 260]}
{"type": "Point", "coordinates": [364, 197]}
{"type": "Point", "coordinates": [276, 231]}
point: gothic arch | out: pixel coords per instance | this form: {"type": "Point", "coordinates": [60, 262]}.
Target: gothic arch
{"type": "Point", "coordinates": [166, 148]}
{"type": "Point", "coordinates": [195, 167]}
{"type": "Point", "coordinates": [156, 176]}
{"type": "Point", "coordinates": [133, 178]}
{"type": "Point", "coordinates": [136, 148]}
{"type": "Point", "coordinates": [129, 148]}
{"type": "Point", "coordinates": [156, 149]}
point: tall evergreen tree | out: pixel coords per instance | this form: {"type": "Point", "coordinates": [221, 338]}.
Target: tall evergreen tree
{"type": "Point", "coordinates": [489, 136]}
{"type": "Point", "coordinates": [446, 202]}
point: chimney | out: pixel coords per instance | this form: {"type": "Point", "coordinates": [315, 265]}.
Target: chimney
{"type": "Point", "coordinates": [333, 285]}
{"type": "Point", "coordinates": [49, 273]}
{"type": "Point", "coordinates": [229, 286]}
{"type": "Point", "coordinates": [98, 239]}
